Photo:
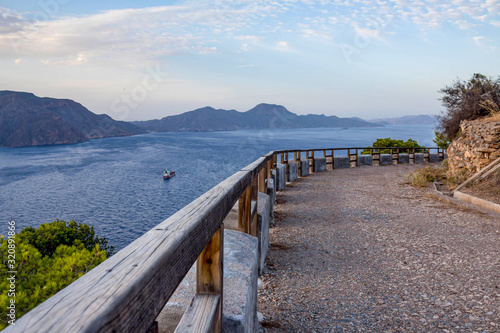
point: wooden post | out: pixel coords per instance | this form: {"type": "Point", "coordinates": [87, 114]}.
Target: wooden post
{"type": "Point", "coordinates": [254, 194]}
{"type": "Point", "coordinates": [262, 180]}
{"type": "Point", "coordinates": [356, 162]}
{"type": "Point", "coordinates": [210, 273]}
{"type": "Point", "coordinates": [312, 163]}
{"type": "Point", "coordinates": [245, 211]}
{"type": "Point", "coordinates": [294, 156]}
{"type": "Point", "coordinates": [299, 168]}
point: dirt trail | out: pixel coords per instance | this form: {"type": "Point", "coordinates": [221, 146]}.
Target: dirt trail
{"type": "Point", "coordinates": [359, 250]}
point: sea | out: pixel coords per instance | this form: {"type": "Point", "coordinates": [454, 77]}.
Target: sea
{"type": "Point", "coordinates": [116, 184]}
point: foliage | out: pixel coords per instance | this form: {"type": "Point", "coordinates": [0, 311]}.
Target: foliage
{"type": "Point", "coordinates": [440, 140]}
{"type": "Point", "coordinates": [45, 266]}
{"type": "Point", "coordinates": [49, 236]}
{"type": "Point", "coordinates": [467, 100]}
{"type": "Point", "coordinates": [391, 143]}
{"type": "Point", "coordinates": [423, 176]}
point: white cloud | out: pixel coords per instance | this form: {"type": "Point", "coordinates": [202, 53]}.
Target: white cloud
{"type": "Point", "coordinates": [132, 36]}
{"type": "Point", "coordinates": [282, 46]}
{"type": "Point", "coordinates": [118, 37]}
{"type": "Point", "coordinates": [207, 50]}
{"type": "Point", "coordinates": [478, 39]}
{"type": "Point", "coordinates": [493, 6]}
{"type": "Point", "coordinates": [249, 38]}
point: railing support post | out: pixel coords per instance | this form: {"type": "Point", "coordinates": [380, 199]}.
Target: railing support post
{"type": "Point", "coordinates": [245, 211]}
{"type": "Point", "coordinates": [254, 195]}
{"type": "Point", "coordinates": [262, 179]}
{"type": "Point", "coordinates": [210, 272]}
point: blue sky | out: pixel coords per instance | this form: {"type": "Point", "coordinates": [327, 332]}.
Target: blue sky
{"type": "Point", "coordinates": [142, 60]}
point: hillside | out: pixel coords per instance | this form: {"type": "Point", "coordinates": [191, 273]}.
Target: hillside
{"type": "Point", "coordinates": [407, 120]}
{"type": "Point", "coordinates": [28, 120]}
{"type": "Point", "coordinates": [260, 117]}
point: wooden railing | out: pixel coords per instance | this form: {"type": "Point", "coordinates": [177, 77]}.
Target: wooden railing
{"type": "Point", "coordinates": [284, 156]}
{"type": "Point", "coordinates": [128, 291]}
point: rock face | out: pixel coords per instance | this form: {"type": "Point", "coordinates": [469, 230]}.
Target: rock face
{"type": "Point", "coordinates": [477, 146]}
{"type": "Point", "coordinates": [28, 120]}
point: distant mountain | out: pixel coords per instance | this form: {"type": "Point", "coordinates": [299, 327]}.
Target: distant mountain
{"type": "Point", "coordinates": [28, 120]}
{"type": "Point", "coordinates": [260, 117]}
{"type": "Point", "coordinates": [406, 120]}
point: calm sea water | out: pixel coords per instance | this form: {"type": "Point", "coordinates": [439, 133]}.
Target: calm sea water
{"type": "Point", "coordinates": [116, 184]}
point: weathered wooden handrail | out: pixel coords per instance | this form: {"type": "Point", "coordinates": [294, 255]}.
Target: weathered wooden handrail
{"type": "Point", "coordinates": [127, 292]}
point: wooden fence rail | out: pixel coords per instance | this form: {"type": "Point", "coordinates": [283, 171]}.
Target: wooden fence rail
{"type": "Point", "coordinates": [128, 291]}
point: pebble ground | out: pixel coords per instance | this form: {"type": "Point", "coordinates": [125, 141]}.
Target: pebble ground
{"type": "Point", "coordinates": [357, 250]}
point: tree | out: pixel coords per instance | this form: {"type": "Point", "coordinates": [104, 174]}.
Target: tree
{"type": "Point", "coordinates": [47, 259]}
{"type": "Point", "coordinates": [392, 143]}
{"type": "Point", "coordinates": [49, 236]}
{"type": "Point", "coordinates": [440, 140]}
{"type": "Point", "coordinates": [467, 100]}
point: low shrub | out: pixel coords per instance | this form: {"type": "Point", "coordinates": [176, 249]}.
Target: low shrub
{"type": "Point", "coordinates": [423, 176]}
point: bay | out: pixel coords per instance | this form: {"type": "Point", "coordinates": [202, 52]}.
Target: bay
{"type": "Point", "coordinates": [116, 184]}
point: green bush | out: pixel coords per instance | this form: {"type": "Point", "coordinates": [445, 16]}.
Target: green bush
{"type": "Point", "coordinates": [392, 143]}
{"type": "Point", "coordinates": [47, 259]}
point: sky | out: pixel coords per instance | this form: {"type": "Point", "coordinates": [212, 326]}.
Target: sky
{"type": "Point", "coordinates": [139, 60]}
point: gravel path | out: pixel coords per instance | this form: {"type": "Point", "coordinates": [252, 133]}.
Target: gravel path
{"type": "Point", "coordinates": [359, 250]}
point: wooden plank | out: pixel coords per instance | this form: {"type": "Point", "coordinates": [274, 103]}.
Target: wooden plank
{"type": "Point", "coordinates": [200, 317]}
{"type": "Point", "coordinates": [126, 292]}
{"type": "Point", "coordinates": [486, 171]}
{"type": "Point", "coordinates": [244, 210]}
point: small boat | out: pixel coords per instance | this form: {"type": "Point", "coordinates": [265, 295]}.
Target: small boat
{"type": "Point", "coordinates": [168, 174]}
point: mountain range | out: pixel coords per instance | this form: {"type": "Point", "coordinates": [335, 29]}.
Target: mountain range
{"type": "Point", "coordinates": [28, 120]}
{"type": "Point", "coordinates": [263, 116]}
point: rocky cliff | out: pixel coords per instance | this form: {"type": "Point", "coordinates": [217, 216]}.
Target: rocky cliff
{"type": "Point", "coordinates": [477, 145]}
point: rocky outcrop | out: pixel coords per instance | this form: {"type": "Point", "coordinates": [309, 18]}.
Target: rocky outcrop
{"type": "Point", "coordinates": [477, 145]}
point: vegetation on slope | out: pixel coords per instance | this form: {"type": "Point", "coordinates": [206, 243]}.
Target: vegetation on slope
{"type": "Point", "coordinates": [46, 260]}
{"type": "Point", "coordinates": [479, 97]}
